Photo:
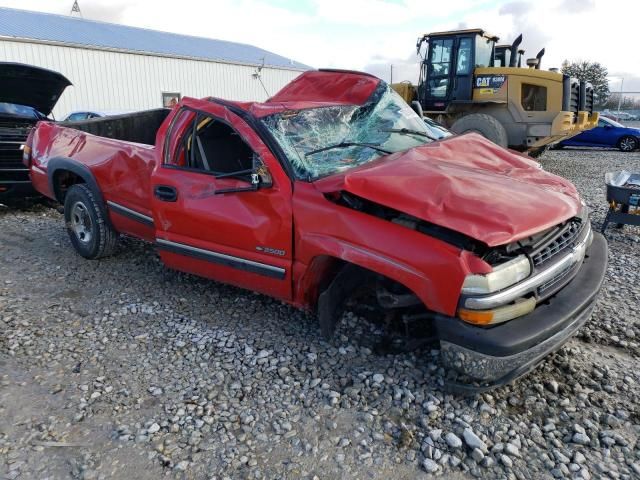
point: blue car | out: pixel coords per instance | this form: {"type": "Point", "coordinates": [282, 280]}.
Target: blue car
{"type": "Point", "coordinates": [607, 134]}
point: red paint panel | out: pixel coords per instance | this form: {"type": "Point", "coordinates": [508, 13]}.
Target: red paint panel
{"type": "Point", "coordinates": [245, 225]}
{"type": "Point", "coordinates": [131, 227]}
{"type": "Point", "coordinates": [432, 269]}
{"type": "Point", "coordinates": [467, 184]}
{"type": "Point", "coordinates": [232, 276]}
{"type": "Point", "coordinates": [122, 169]}
{"type": "Point", "coordinates": [328, 86]}
{"type": "Point", "coordinates": [315, 89]}
{"type": "Point", "coordinates": [40, 181]}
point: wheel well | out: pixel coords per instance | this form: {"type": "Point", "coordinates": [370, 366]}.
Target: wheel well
{"type": "Point", "coordinates": [324, 269]}
{"type": "Point", "coordinates": [340, 280]}
{"type": "Point", "coordinates": [636, 137]}
{"type": "Point", "coordinates": [319, 275]}
{"type": "Point", "coordinates": [62, 181]}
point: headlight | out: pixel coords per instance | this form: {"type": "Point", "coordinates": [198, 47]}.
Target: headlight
{"type": "Point", "coordinates": [520, 307]}
{"type": "Point", "coordinates": [504, 275]}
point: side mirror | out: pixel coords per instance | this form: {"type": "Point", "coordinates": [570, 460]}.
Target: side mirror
{"type": "Point", "coordinates": [258, 177]}
{"type": "Point", "coordinates": [261, 176]}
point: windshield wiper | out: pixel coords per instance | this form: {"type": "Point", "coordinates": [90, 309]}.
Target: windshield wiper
{"type": "Point", "coordinates": [345, 145]}
{"type": "Point", "coordinates": [407, 131]}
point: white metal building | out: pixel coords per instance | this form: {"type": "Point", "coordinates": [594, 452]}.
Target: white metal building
{"type": "Point", "coordinates": [119, 68]}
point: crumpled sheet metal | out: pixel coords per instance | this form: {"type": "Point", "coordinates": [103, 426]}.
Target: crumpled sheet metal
{"type": "Point", "coordinates": [123, 169]}
{"type": "Point", "coordinates": [467, 184]}
{"type": "Point", "coordinates": [315, 89]}
{"type": "Point", "coordinates": [328, 86]}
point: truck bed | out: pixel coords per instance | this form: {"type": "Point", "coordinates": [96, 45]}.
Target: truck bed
{"type": "Point", "coordinates": [119, 151]}
{"type": "Point", "coordinates": [138, 127]}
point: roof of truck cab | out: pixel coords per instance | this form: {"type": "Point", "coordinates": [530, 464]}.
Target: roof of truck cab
{"type": "Point", "coordinates": [317, 88]}
{"type": "Point", "coordinates": [37, 27]}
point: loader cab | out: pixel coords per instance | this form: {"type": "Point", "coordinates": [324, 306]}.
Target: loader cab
{"type": "Point", "coordinates": [502, 56]}
{"type": "Point", "coordinates": [446, 73]}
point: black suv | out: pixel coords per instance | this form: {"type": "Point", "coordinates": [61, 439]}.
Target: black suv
{"type": "Point", "coordinates": [27, 95]}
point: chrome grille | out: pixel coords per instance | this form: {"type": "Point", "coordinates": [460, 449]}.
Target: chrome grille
{"type": "Point", "coordinates": [11, 132]}
{"type": "Point", "coordinates": [11, 167]}
{"type": "Point", "coordinates": [566, 239]}
{"type": "Point", "coordinates": [550, 284]}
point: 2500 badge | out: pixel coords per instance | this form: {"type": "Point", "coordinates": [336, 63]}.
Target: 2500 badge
{"type": "Point", "coordinates": [271, 251]}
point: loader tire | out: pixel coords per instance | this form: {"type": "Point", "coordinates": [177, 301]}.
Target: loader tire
{"type": "Point", "coordinates": [89, 230]}
{"type": "Point", "coordinates": [538, 152]}
{"type": "Point", "coordinates": [486, 125]}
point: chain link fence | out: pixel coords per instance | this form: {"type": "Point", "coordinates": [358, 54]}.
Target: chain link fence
{"type": "Point", "coordinates": [623, 107]}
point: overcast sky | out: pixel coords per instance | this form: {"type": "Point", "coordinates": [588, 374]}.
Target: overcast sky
{"type": "Point", "coordinates": [373, 34]}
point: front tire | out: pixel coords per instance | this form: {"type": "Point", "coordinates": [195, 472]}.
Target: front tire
{"type": "Point", "coordinates": [486, 125]}
{"type": "Point", "coordinates": [627, 143]}
{"type": "Point", "coordinates": [90, 233]}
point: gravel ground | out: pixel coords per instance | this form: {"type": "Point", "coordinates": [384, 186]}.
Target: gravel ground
{"type": "Point", "coordinates": [121, 368]}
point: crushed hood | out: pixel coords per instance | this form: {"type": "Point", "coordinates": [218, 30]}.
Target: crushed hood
{"type": "Point", "coordinates": [31, 86]}
{"type": "Point", "coordinates": [466, 184]}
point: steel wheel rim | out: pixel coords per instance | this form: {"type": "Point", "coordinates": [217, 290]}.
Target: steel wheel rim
{"type": "Point", "coordinates": [628, 144]}
{"type": "Point", "coordinates": [81, 223]}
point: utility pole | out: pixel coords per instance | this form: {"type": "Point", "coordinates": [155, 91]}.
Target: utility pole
{"type": "Point", "coordinates": [391, 75]}
{"type": "Point", "coordinates": [75, 9]}
{"type": "Point", "coordinates": [619, 100]}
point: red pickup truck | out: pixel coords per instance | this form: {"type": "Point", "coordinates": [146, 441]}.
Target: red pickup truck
{"type": "Point", "coordinates": [335, 190]}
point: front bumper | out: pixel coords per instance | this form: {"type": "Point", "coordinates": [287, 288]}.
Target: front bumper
{"type": "Point", "coordinates": [18, 189]}
{"type": "Point", "coordinates": [498, 355]}
{"type": "Point", "coordinates": [564, 126]}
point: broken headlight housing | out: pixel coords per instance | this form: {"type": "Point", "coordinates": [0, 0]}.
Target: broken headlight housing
{"type": "Point", "coordinates": [502, 276]}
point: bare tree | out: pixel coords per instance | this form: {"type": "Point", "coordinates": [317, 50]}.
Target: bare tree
{"type": "Point", "coordinates": [592, 72]}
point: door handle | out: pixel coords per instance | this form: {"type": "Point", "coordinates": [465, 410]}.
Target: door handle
{"type": "Point", "coordinates": [165, 193]}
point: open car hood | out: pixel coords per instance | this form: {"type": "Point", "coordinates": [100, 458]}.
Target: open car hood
{"type": "Point", "coordinates": [31, 86]}
{"type": "Point", "coordinates": [466, 184]}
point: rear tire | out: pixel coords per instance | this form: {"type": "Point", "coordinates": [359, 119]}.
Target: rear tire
{"type": "Point", "coordinates": [627, 143]}
{"type": "Point", "coordinates": [90, 232]}
{"type": "Point", "coordinates": [486, 125]}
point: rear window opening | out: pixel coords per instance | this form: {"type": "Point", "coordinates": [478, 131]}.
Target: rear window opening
{"type": "Point", "coordinates": [211, 146]}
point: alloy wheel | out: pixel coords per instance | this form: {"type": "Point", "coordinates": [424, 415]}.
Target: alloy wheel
{"type": "Point", "coordinates": [81, 223]}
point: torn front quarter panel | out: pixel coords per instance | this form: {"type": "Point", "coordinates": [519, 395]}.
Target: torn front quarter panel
{"type": "Point", "coordinates": [431, 268]}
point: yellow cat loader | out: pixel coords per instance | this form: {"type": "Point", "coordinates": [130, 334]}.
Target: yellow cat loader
{"type": "Point", "coordinates": [469, 84]}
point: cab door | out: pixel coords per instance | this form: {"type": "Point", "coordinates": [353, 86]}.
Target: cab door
{"type": "Point", "coordinates": [221, 201]}
{"type": "Point", "coordinates": [439, 75]}
{"type": "Point", "coordinates": [463, 74]}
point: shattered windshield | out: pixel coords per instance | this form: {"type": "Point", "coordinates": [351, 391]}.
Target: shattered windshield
{"type": "Point", "coordinates": [329, 139]}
